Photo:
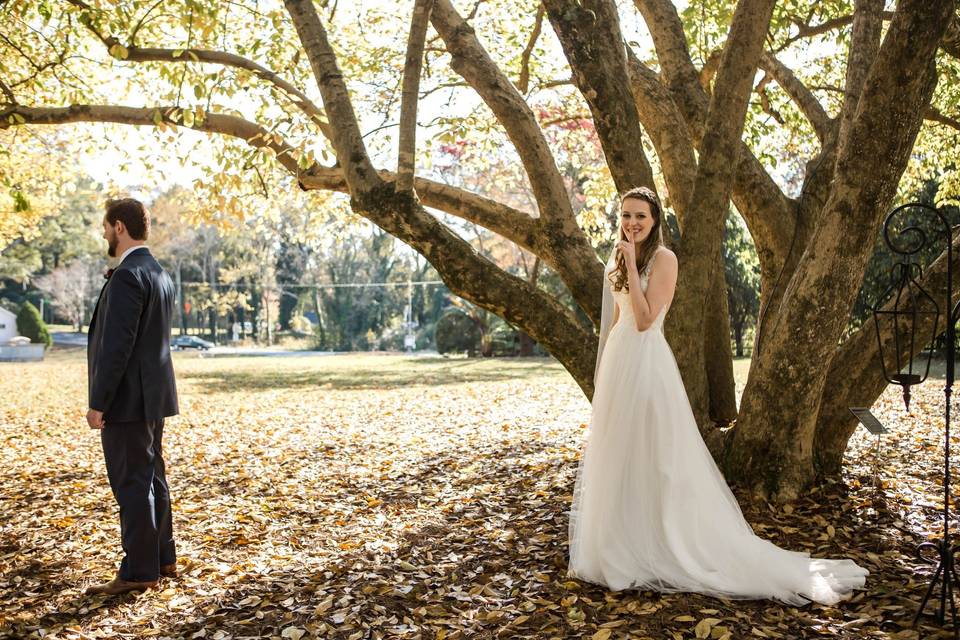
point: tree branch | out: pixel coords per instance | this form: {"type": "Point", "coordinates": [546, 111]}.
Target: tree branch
{"type": "Point", "coordinates": [142, 21]}
{"type": "Point", "coordinates": [671, 139]}
{"type": "Point", "coordinates": [799, 93]}
{"type": "Point", "coordinates": [589, 31]}
{"type": "Point", "coordinates": [765, 105]}
{"type": "Point", "coordinates": [565, 247]}
{"type": "Point", "coordinates": [472, 62]}
{"type": "Point", "coordinates": [935, 115]}
{"type": "Point", "coordinates": [512, 224]}
{"type": "Point", "coordinates": [864, 45]}
{"type": "Point", "coordinates": [409, 94]}
{"type": "Point", "coordinates": [345, 133]}
{"type": "Point", "coordinates": [709, 69]}
{"type": "Point", "coordinates": [950, 43]}
{"type": "Point", "coordinates": [223, 58]}
{"type": "Point", "coordinates": [475, 278]}
{"type": "Point", "coordinates": [767, 211]}
{"type": "Point", "coordinates": [806, 30]}
{"type": "Point", "coordinates": [12, 99]}
{"type": "Point", "coordinates": [523, 83]}
{"type": "Point", "coordinates": [713, 185]}
{"type": "Point", "coordinates": [676, 66]}
{"type": "Point", "coordinates": [254, 134]}
{"type": "Point", "coordinates": [300, 99]}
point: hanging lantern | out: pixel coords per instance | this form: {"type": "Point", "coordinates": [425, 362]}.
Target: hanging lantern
{"type": "Point", "coordinates": [909, 310]}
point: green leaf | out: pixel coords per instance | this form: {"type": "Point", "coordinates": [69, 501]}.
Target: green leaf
{"type": "Point", "coordinates": [119, 51]}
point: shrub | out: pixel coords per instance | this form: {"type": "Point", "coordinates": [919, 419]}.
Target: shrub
{"type": "Point", "coordinates": [457, 333]}
{"type": "Point", "coordinates": [31, 325]}
{"type": "Point", "coordinates": [301, 325]}
{"type": "Point", "coordinates": [504, 341]}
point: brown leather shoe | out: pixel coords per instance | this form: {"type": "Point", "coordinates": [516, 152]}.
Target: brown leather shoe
{"type": "Point", "coordinates": [117, 586]}
{"type": "Point", "coordinates": [169, 571]}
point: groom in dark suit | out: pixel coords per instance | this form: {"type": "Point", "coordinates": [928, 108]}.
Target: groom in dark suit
{"type": "Point", "coordinates": [131, 390]}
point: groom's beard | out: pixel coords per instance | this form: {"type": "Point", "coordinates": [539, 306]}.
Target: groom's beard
{"type": "Point", "coordinates": [112, 245]}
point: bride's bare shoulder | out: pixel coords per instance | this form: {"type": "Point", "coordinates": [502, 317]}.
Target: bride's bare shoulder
{"type": "Point", "coordinates": [664, 255]}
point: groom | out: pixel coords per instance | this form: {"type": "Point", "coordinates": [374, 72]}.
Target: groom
{"type": "Point", "coordinates": [131, 390]}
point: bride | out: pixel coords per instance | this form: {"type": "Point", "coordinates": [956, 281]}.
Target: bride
{"type": "Point", "coordinates": [650, 509]}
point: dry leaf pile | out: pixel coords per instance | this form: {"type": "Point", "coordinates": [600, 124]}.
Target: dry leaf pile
{"type": "Point", "coordinates": [360, 497]}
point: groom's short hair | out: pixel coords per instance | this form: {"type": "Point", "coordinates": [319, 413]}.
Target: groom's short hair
{"type": "Point", "coordinates": [132, 214]}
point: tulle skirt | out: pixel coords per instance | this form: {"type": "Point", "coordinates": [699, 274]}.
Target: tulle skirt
{"type": "Point", "coordinates": [651, 509]}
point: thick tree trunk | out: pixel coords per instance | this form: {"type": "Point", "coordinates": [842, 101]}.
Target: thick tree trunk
{"type": "Point", "coordinates": [703, 224]}
{"type": "Point", "coordinates": [717, 353]}
{"type": "Point", "coordinates": [676, 152]}
{"type": "Point", "coordinates": [789, 374]}
{"type": "Point", "coordinates": [856, 378]}
{"type": "Point", "coordinates": [526, 342]}
{"type": "Point", "coordinates": [318, 307]}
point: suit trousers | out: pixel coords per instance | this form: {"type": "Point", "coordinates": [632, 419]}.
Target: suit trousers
{"type": "Point", "coordinates": [137, 475]}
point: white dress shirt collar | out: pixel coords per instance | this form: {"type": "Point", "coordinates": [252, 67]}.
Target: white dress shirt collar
{"type": "Point", "coordinates": [129, 251]}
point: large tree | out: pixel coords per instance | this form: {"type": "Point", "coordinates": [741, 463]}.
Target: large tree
{"type": "Point", "coordinates": [276, 79]}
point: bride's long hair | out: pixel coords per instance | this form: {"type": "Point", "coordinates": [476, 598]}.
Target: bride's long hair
{"type": "Point", "coordinates": [618, 276]}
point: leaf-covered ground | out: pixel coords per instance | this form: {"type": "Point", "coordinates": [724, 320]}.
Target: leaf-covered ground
{"type": "Point", "coordinates": [392, 497]}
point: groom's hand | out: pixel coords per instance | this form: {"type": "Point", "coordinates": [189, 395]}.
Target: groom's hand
{"type": "Point", "coordinates": [95, 419]}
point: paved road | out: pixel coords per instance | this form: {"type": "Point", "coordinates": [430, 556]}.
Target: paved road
{"type": "Point", "coordinates": [220, 352]}
{"type": "Point", "coordinates": [80, 340]}
{"type": "Point", "coordinates": [71, 339]}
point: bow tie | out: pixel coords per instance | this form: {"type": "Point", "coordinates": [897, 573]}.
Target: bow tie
{"type": "Point", "coordinates": [108, 273]}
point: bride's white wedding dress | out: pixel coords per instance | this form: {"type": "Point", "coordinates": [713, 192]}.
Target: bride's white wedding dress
{"type": "Point", "coordinates": [650, 507]}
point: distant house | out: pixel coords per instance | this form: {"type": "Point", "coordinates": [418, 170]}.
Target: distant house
{"type": "Point", "coordinates": [18, 352]}
{"type": "Point", "coordinates": [8, 325]}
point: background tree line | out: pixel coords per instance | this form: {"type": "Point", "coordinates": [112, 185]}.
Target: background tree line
{"type": "Point", "coordinates": [272, 274]}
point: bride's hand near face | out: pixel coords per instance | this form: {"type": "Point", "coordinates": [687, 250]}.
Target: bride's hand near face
{"type": "Point", "coordinates": [628, 249]}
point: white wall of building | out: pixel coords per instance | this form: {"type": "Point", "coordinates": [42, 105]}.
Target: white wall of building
{"type": "Point", "coordinates": [8, 325]}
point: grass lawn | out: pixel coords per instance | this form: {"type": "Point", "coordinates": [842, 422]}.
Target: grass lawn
{"type": "Point", "coordinates": [372, 496]}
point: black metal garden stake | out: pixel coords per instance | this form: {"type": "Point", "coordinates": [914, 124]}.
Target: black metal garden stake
{"type": "Point", "coordinates": [910, 306]}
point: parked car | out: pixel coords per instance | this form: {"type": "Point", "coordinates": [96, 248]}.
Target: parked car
{"type": "Point", "coordinates": [190, 342]}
